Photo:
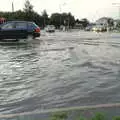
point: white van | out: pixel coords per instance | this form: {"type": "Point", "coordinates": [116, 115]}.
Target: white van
{"type": "Point", "coordinates": [50, 28]}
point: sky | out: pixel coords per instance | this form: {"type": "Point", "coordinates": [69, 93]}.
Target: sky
{"type": "Point", "coordinates": [90, 9]}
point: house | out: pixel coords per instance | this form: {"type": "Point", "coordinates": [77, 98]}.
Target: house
{"type": "Point", "coordinates": [116, 23]}
{"type": "Point", "coordinates": [106, 22]}
{"type": "Point", "coordinates": [2, 20]}
{"type": "Point", "coordinates": [78, 26]}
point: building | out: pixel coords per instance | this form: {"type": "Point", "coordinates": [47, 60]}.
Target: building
{"type": "Point", "coordinates": [116, 24]}
{"type": "Point", "coordinates": [106, 22]}
{"type": "Point", "coordinates": [2, 20]}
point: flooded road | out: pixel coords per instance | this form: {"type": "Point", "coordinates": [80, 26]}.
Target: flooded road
{"type": "Point", "coordinates": [60, 69]}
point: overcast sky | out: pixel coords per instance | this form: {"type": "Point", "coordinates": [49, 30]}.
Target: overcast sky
{"type": "Point", "coordinates": [91, 9]}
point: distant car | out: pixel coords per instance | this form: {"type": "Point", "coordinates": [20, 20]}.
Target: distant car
{"type": "Point", "coordinates": [19, 30]}
{"type": "Point", "coordinates": [88, 28]}
{"type": "Point", "coordinates": [50, 28]}
{"type": "Point", "coordinates": [99, 28]}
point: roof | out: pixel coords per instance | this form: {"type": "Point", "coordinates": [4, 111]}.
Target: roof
{"type": "Point", "coordinates": [19, 21]}
{"type": "Point", "coordinates": [103, 20]}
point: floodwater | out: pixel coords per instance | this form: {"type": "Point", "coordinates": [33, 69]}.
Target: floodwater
{"type": "Point", "coordinates": [60, 69]}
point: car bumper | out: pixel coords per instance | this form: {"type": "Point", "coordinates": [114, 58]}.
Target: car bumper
{"type": "Point", "coordinates": [36, 34]}
{"type": "Point", "coordinates": [50, 30]}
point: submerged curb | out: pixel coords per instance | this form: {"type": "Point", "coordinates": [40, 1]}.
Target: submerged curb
{"type": "Point", "coordinates": [61, 110]}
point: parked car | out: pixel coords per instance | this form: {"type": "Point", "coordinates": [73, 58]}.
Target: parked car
{"type": "Point", "coordinates": [19, 30]}
{"type": "Point", "coordinates": [50, 28]}
{"type": "Point", "coordinates": [88, 28]}
{"type": "Point", "coordinates": [99, 28]}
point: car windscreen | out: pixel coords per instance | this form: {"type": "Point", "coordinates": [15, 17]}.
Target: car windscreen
{"type": "Point", "coordinates": [32, 25]}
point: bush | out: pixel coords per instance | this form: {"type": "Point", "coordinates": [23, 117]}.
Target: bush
{"type": "Point", "coordinates": [59, 116]}
{"type": "Point", "coordinates": [82, 118]}
{"type": "Point", "coordinates": [99, 116]}
{"type": "Point", "coordinates": [116, 118]}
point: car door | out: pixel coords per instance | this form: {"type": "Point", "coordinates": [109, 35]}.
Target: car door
{"type": "Point", "coordinates": [21, 30]}
{"type": "Point", "coordinates": [7, 31]}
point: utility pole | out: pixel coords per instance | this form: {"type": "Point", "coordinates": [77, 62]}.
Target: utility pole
{"type": "Point", "coordinates": [60, 14]}
{"type": "Point", "coordinates": [12, 7]}
{"type": "Point", "coordinates": [68, 22]}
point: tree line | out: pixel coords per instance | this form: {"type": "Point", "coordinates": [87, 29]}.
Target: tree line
{"type": "Point", "coordinates": [42, 20]}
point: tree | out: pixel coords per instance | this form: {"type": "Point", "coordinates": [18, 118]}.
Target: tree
{"type": "Point", "coordinates": [55, 19]}
{"type": "Point", "coordinates": [110, 22]}
{"type": "Point", "coordinates": [66, 19]}
{"type": "Point", "coordinates": [28, 7]}
{"type": "Point", "coordinates": [44, 14]}
{"type": "Point", "coordinates": [77, 21]}
{"type": "Point", "coordinates": [84, 22]}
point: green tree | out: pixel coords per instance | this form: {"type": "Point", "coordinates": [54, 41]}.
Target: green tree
{"type": "Point", "coordinates": [84, 22]}
{"type": "Point", "coordinates": [116, 118]}
{"type": "Point", "coordinates": [28, 9]}
{"type": "Point", "coordinates": [59, 116]}
{"type": "Point", "coordinates": [44, 14]}
{"type": "Point", "coordinates": [110, 22]}
{"type": "Point", "coordinates": [55, 19]}
{"type": "Point", "coordinates": [99, 116]}
{"type": "Point", "coordinates": [66, 19]}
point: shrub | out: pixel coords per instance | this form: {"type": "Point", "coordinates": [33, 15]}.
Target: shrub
{"type": "Point", "coordinates": [116, 118]}
{"type": "Point", "coordinates": [99, 116]}
{"type": "Point", "coordinates": [59, 116]}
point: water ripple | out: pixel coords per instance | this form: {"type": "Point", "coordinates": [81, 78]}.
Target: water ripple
{"type": "Point", "coordinates": [60, 70]}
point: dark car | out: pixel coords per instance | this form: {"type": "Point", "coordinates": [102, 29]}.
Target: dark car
{"type": "Point", "coordinates": [19, 30]}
